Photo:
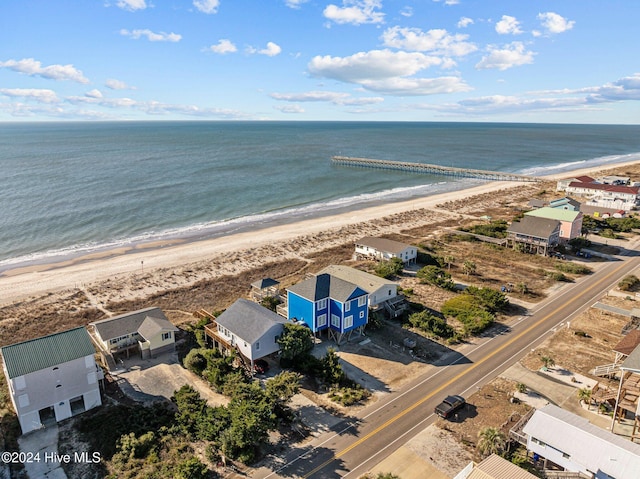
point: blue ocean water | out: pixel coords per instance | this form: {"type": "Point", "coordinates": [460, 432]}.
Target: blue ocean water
{"type": "Point", "coordinates": [69, 188]}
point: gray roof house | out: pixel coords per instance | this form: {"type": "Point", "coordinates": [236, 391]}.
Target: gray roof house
{"type": "Point", "coordinates": [248, 328]}
{"type": "Point", "coordinates": [494, 467]}
{"type": "Point", "coordinates": [385, 249]}
{"type": "Point", "coordinates": [146, 331]}
{"type": "Point", "coordinates": [52, 378]}
{"type": "Point", "coordinates": [534, 234]}
{"type": "Point", "coordinates": [576, 445]}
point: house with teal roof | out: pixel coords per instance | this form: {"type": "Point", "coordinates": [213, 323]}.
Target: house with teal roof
{"type": "Point", "coordinates": [52, 378]}
{"type": "Point", "coordinates": [570, 221]}
{"type": "Point", "coordinates": [328, 303]}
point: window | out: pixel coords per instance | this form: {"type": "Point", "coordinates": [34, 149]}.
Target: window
{"type": "Point", "coordinates": [347, 306]}
{"type": "Point", "coordinates": [166, 336]}
{"type": "Point", "coordinates": [361, 314]}
{"type": "Point", "coordinates": [20, 382]}
{"type": "Point", "coordinates": [362, 300]}
{"type": "Point", "coordinates": [335, 320]}
{"type": "Point", "coordinates": [348, 322]}
{"type": "Point", "coordinates": [257, 345]}
{"type": "Point", "coordinates": [322, 320]}
{"type": "Point", "coordinates": [322, 304]}
{"type": "Point", "coordinates": [23, 400]}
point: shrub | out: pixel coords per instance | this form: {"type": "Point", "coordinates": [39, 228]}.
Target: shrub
{"type": "Point", "coordinates": [348, 396]}
{"type": "Point", "coordinates": [436, 276]}
{"type": "Point", "coordinates": [469, 311]}
{"type": "Point", "coordinates": [432, 324]}
{"type": "Point", "coordinates": [573, 268]}
{"type": "Point", "coordinates": [628, 283]}
{"type": "Point", "coordinates": [195, 361]}
{"type": "Point", "coordinates": [388, 269]}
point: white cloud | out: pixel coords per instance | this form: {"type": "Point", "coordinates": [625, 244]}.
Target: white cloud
{"type": "Point", "coordinates": [372, 65]}
{"type": "Point", "coordinates": [117, 85]}
{"type": "Point", "coordinates": [296, 109]}
{"type": "Point", "coordinates": [35, 94]}
{"type": "Point", "coordinates": [437, 41]}
{"type": "Point", "coordinates": [271, 50]}
{"type": "Point", "coordinates": [337, 98]}
{"type": "Point", "coordinates": [132, 5]}
{"type": "Point", "coordinates": [31, 67]}
{"type": "Point", "coordinates": [464, 22]}
{"type": "Point", "coordinates": [407, 12]}
{"type": "Point", "coordinates": [95, 93]}
{"type": "Point", "coordinates": [554, 23]}
{"type": "Point", "coordinates": [223, 47]}
{"type": "Point", "coordinates": [355, 12]}
{"type": "Point", "coordinates": [511, 55]}
{"type": "Point", "coordinates": [294, 3]}
{"type": "Point", "coordinates": [151, 36]}
{"type": "Point", "coordinates": [207, 6]}
{"type": "Point", "coordinates": [508, 25]}
{"type": "Point", "coordinates": [448, 2]}
{"type": "Point", "coordinates": [417, 86]}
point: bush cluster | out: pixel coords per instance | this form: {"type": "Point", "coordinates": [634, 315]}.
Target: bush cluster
{"type": "Point", "coordinates": [436, 276]}
{"type": "Point", "coordinates": [629, 283]}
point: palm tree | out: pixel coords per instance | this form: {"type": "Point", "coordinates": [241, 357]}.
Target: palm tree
{"type": "Point", "coordinates": [584, 395]}
{"type": "Point", "coordinates": [448, 260]}
{"type": "Point", "coordinates": [491, 441]}
{"type": "Point", "coordinates": [469, 267]}
{"type": "Point", "coordinates": [548, 361]}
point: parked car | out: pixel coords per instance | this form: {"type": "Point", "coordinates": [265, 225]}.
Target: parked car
{"type": "Point", "coordinates": [260, 366]}
{"type": "Point", "coordinates": [449, 405]}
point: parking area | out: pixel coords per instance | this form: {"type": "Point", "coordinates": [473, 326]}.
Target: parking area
{"type": "Point", "coordinates": [156, 379]}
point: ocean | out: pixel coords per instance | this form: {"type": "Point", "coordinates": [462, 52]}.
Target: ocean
{"type": "Point", "coordinates": [73, 188]}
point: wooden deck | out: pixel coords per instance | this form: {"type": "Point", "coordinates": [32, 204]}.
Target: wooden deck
{"type": "Point", "coordinates": [432, 169]}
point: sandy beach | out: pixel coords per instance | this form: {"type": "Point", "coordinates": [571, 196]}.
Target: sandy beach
{"type": "Point", "coordinates": [146, 269]}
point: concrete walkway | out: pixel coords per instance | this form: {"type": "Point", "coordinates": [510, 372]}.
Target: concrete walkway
{"type": "Point", "coordinates": [42, 445]}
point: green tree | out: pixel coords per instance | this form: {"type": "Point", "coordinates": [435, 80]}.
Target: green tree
{"type": "Point", "coordinates": [282, 387]}
{"type": "Point", "coordinates": [270, 302]}
{"type": "Point", "coordinates": [191, 410]}
{"type": "Point", "coordinates": [491, 441]}
{"type": "Point", "coordinates": [430, 323]}
{"type": "Point", "coordinates": [469, 267]}
{"type": "Point", "coordinates": [547, 361]}
{"type": "Point", "coordinates": [388, 269]}
{"type": "Point", "coordinates": [584, 395]}
{"type": "Point", "coordinates": [295, 341]}
{"type": "Point", "coordinates": [491, 299]}
{"type": "Point", "coordinates": [436, 276]}
{"type": "Point", "coordinates": [521, 388]}
{"type": "Point", "coordinates": [191, 468]}
{"type": "Point", "coordinates": [332, 371]}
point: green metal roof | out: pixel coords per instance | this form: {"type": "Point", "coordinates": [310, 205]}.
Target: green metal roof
{"type": "Point", "coordinates": [46, 352]}
{"type": "Point", "coordinates": [554, 214]}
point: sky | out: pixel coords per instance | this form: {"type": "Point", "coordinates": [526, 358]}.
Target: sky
{"type": "Point", "coordinates": [561, 61]}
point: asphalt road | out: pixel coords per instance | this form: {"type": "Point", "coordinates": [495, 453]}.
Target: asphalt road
{"type": "Point", "coordinates": [355, 445]}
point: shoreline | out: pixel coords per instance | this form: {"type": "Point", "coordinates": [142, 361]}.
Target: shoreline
{"type": "Point", "coordinates": [239, 251]}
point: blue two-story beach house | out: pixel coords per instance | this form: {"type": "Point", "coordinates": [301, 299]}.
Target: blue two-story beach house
{"type": "Point", "coordinates": [325, 302]}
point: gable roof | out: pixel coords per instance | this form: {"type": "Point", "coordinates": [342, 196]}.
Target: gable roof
{"type": "Point", "coordinates": [383, 244]}
{"type": "Point", "coordinates": [555, 213]}
{"type": "Point", "coordinates": [46, 352]}
{"type": "Point", "coordinates": [628, 343]}
{"type": "Point", "coordinates": [576, 436]}
{"type": "Point", "coordinates": [534, 226]}
{"type": "Point", "coordinates": [367, 282]}
{"type": "Point", "coordinates": [632, 363]}
{"type": "Point", "coordinates": [130, 323]}
{"type": "Point", "coordinates": [629, 190]}
{"type": "Point", "coordinates": [265, 283]}
{"type": "Point", "coordinates": [249, 320]}
{"type": "Point", "coordinates": [151, 327]}
{"type": "Point", "coordinates": [496, 467]}
{"type": "Point", "coordinates": [326, 286]}
{"type": "Point", "coordinates": [564, 201]}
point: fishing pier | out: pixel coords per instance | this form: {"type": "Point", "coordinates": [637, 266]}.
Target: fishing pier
{"type": "Point", "coordinates": [432, 169]}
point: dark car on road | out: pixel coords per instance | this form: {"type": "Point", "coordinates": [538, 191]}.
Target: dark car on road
{"type": "Point", "coordinates": [449, 406]}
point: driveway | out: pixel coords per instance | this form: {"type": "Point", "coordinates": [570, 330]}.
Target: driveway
{"type": "Point", "coordinates": [151, 380]}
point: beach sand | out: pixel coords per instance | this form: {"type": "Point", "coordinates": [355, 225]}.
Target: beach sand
{"type": "Point", "coordinates": [139, 271]}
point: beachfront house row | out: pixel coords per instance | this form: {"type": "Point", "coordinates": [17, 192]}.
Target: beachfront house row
{"type": "Point", "coordinates": [533, 234]}
{"type": "Point", "coordinates": [570, 220]}
{"type": "Point", "coordinates": [576, 445]}
{"type": "Point", "coordinates": [147, 332]}
{"type": "Point", "coordinates": [608, 195]}
{"type": "Point", "coordinates": [385, 249]}
{"type": "Point", "coordinates": [247, 328]}
{"type": "Point", "coordinates": [52, 378]}
{"type": "Point", "coordinates": [328, 303]}
{"type": "Point", "coordinates": [382, 293]}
